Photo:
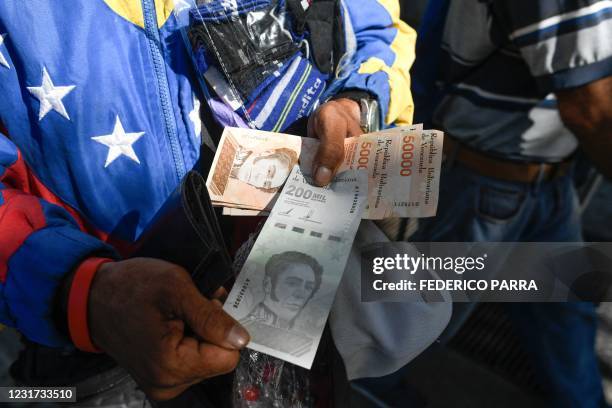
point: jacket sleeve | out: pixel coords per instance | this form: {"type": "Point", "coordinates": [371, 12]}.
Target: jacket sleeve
{"type": "Point", "coordinates": [41, 241]}
{"type": "Point", "coordinates": [384, 55]}
{"type": "Point", "coordinates": [565, 44]}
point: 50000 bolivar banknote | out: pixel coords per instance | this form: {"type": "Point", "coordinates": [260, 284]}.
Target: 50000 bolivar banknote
{"type": "Point", "coordinates": [287, 285]}
{"type": "Point", "coordinates": [403, 165]}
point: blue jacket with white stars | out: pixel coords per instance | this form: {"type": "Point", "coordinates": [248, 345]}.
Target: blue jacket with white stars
{"type": "Point", "coordinates": [99, 122]}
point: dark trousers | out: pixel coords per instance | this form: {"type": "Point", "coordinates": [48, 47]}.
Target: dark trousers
{"type": "Point", "coordinates": [559, 337]}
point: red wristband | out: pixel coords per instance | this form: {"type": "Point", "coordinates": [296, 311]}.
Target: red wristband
{"type": "Point", "coordinates": [77, 304]}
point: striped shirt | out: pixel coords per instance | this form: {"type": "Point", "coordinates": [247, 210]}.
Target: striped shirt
{"type": "Point", "coordinates": [503, 61]}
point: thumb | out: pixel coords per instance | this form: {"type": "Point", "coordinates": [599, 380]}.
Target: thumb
{"type": "Point", "coordinates": [331, 124]}
{"type": "Point", "coordinates": [210, 322]}
{"type": "Point", "coordinates": [330, 153]}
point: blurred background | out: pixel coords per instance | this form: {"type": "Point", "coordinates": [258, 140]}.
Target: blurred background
{"type": "Point", "coordinates": [484, 365]}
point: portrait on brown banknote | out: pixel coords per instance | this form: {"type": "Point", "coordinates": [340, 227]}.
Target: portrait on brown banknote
{"type": "Point", "coordinates": [265, 170]}
{"type": "Point", "coordinates": [290, 281]}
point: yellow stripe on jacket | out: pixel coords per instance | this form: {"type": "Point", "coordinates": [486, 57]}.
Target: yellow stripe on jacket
{"type": "Point", "coordinates": [131, 10]}
{"type": "Point", "coordinates": [401, 105]}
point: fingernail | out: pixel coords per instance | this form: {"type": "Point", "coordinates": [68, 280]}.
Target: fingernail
{"type": "Point", "coordinates": [238, 337]}
{"type": "Point", "coordinates": [323, 175]}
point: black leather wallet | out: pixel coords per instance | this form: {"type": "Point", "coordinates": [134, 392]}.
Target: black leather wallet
{"type": "Point", "coordinates": [186, 232]}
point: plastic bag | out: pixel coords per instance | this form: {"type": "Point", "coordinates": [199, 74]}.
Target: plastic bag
{"type": "Point", "coordinates": [247, 41]}
{"type": "Point", "coordinates": [270, 62]}
{"type": "Point", "coordinates": [262, 381]}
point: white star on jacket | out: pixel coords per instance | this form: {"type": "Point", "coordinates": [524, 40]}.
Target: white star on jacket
{"type": "Point", "coordinates": [119, 143]}
{"type": "Point", "coordinates": [3, 60]}
{"type": "Point", "coordinates": [50, 96]}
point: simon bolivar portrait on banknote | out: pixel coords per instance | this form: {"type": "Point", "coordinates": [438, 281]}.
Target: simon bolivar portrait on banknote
{"type": "Point", "coordinates": [290, 280]}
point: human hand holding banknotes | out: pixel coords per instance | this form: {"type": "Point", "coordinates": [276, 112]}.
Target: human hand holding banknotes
{"type": "Point", "coordinates": [286, 287]}
{"type": "Point", "coordinates": [333, 122]}
{"type": "Point", "coordinates": [163, 331]}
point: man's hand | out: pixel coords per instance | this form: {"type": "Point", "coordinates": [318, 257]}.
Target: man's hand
{"type": "Point", "coordinates": [331, 124]}
{"type": "Point", "coordinates": [587, 112]}
{"type": "Point", "coordinates": [139, 311]}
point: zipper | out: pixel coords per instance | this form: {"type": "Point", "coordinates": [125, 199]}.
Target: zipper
{"type": "Point", "coordinates": [154, 40]}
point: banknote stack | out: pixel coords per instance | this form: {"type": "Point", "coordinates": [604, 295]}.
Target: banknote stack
{"type": "Point", "coordinates": [403, 167]}
{"type": "Point", "coordinates": [287, 285]}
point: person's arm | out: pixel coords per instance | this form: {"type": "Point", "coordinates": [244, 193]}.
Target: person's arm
{"type": "Point", "coordinates": [41, 241]}
{"type": "Point", "coordinates": [587, 112]}
{"type": "Point", "coordinates": [566, 48]}
{"type": "Point", "coordinates": [138, 311]}
{"type": "Point", "coordinates": [384, 54]}
{"type": "Point", "coordinates": [383, 58]}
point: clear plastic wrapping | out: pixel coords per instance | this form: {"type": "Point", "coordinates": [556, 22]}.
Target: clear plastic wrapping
{"type": "Point", "coordinates": [248, 41]}
{"type": "Point", "coordinates": [262, 381]}
{"type": "Point", "coordinates": [270, 62]}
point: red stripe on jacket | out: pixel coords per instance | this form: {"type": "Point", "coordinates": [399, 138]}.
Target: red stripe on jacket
{"type": "Point", "coordinates": [20, 215]}
{"type": "Point", "coordinates": [20, 177]}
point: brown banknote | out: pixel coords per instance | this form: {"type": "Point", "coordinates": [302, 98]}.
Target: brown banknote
{"type": "Point", "coordinates": [403, 165]}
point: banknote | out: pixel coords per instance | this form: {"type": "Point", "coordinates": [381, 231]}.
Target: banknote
{"type": "Point", "coordinates": [287, 285]}
{"type": "Point", "coordinates": [241, 212]}
{"type": "Point", "coordinates": [403, 165]}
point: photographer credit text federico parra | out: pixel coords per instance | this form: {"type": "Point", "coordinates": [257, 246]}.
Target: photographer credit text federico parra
{"type": "Point", "coordinates": [459, 265]}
